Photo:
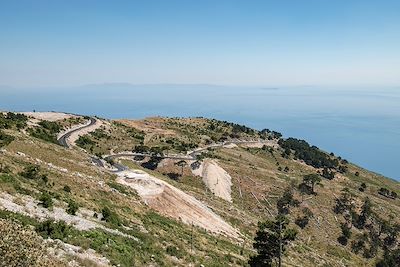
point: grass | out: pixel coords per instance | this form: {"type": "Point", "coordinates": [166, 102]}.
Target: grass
{"type": "Point", "coordinates": [171, 242]}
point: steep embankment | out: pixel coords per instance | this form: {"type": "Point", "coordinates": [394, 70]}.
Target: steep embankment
{"type": "Point", "coordinates": [175, 203]}
{"type": "Point", "coordinates": [215, 178]}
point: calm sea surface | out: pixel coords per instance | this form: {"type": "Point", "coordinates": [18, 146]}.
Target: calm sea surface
{"type": "Point", "coordinates": [360, 124]}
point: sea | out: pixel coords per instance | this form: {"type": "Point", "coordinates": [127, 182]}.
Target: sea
{"type": "Point", "coordinates": [358, 123]}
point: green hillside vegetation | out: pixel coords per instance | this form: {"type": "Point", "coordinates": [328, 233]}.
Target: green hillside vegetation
{"type": "Point", "coordinates": [343, 215]}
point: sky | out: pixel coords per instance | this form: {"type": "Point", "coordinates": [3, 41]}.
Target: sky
{"type": "Point", "coordinates": [227, 42]}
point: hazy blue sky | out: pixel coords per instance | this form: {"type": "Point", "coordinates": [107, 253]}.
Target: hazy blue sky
{"type": "Point", "coordinates": [231, 42]}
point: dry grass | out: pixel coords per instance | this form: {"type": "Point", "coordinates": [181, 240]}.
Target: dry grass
{"type": "Point", "coordinates": [256, 185]}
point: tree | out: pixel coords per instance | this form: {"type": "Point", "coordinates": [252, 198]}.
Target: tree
{"type": "Point", "coordinates": [328, 174]}
{"type": "Point", "coordinates": [383, 191]}
{"type": "Point", "coordinates": [286, 201]}
{"type": "Point", "coordinates": [181, 164]}
{"type": "Point", "coordinates": [389, 259]}
{"type": "Point", "coordinates": [303, 220]}
{"type": "Point", "coordinates": [312, 180]}
{"type": "Point", "coordinates": [362, 187]}
{"type": "Point", "coordinates": [271, 240]}
{"type": "Point", "coordinates": [346, 233]}
{"type": "Point", "coordinates": [364, 215]}
{"type": "Point", "coordinates": [286, 169]}
{"type": "Point", "coordinates": [304, 190]}
{"type": "Point", "coordinates": [344, 204]}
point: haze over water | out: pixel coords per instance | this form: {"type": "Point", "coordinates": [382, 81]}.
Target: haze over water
{"type": "Point", "coordinates": [361, 124]}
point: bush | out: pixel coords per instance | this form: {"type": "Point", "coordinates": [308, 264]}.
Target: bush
{"type": "Point", "coordinates": [67, 189]}
{"type": "Point", "coordinates": [386, 193]}
{"type": "Point", "coordinates": [110, 216]}
{"type": "Point", "coordinates": [33, 172]}
{"type": "Point", "coordinates": [99, 133]}
{"type": "Point", "coordinates": [390, 258]}
{"type": "Point", "coordinates": [328, 174]}
{"type": "Point", "coordinates": [84, 141]}
{"type": "Point", "coordinates": [302, 221]}
{"type": "Point", "coordinates": [51, 126]}
{"type": "Point", "coordinates": [362, 187]}
{"type": "Point", "coordinates": [174, 251]}
{"type": "Point", "coordinates": [11, 120]}
{"type": "Point", "coordinates": [5, 139]}
{"type": "Point", "coordinates": [72, 207]}
{"type": "Point", "coordinates": [30, 172]}
{"type": "Point", "coordinates": [46, 200]}
{"type": "Point", "coordinates": [46, 130]}
{"type": "Point", "coordinates": [52, 229]}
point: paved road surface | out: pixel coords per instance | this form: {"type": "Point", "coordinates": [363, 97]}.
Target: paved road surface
{"type": "Point", "coordinates": [63, 139]}
{"type": "Point", "coordinates": [119, 167]}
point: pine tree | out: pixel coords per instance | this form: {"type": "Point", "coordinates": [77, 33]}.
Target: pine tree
{"type": "Point", "coordinates": [271, 239]}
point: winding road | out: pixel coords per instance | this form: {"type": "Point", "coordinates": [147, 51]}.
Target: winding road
{"type": "Point", "coordinates": [191, 155]}
{"type": "Point", "coordinates": [62, 140]}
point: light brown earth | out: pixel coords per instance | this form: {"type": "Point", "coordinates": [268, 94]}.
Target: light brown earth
{"type": "Point", "coordinates": [49, 116]}
{"type": "Point", "coordinates": [173, 202]}
{"type": "Point", "coordinates": [143, 125]}
{"type": "Point", "coordinates": [215, 178]}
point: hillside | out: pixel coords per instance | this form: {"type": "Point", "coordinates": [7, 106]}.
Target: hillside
{"type": "Point", "coordinates": [180, 192]}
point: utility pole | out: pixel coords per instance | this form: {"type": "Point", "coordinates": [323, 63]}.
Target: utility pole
{"type": "Point", "coordinates": [191, 239]}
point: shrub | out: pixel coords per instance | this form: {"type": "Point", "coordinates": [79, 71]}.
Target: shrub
{"type": "Point", "coordinates": [328, 174]}
{"type": "Point", "coordinates": [10, 120]}
{"type": "Point", "coordinates": [110, 216]}
{"type": "Point", "coordinates": [390, 258]}
{"type": "Point", "coordinates": [53, 229]}
{"type": "Point", "coordinates": [46, 200]}
{"type": "Point", "coordinates": [303, 220]}
{"type": "Point", "coordinates": [386, 193]}
{"type": "Point", "coordinates": [84, 141]}
{"type": "Point", "coordinates": [30, 172]}
{"type": "Point", "coordinates": [5, 139]}
{"type": "Point", "coordinates": [67, 189]}
{"type": "Point", "coordinates": [51, 126]}
{"type": "Point", "coordinates": [72, 207]}
{"type": "Point", "coordinates": [46, 130]}
{"type": "Point", "coordinates": [362, 187]}
{"type": "Point", "coordinates": [174, 251]}
{"type": "Point", "coordinates": [44, 178]}
{"type": "Point", "coordinates": [286, 169]}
